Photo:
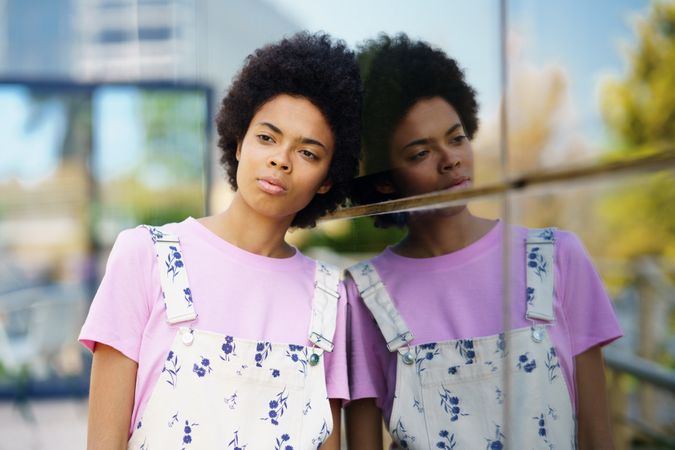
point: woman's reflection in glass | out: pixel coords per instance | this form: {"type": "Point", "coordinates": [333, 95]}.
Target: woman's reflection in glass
{"type": "Point", "coordinates": [433, 361]}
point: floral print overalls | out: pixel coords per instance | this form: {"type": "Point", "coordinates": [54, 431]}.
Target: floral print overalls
{"type": "Point", "coordinates": [224, 392]}
{"type": "Point", "coordinates": [455, 394]}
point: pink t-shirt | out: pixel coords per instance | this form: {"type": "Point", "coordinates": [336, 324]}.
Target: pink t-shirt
{"type": "Point", "coordinates": [459, 296]}
{"type": "Point", "coordinates": [235, 293]}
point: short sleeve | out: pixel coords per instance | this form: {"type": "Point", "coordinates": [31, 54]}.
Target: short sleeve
{"type": "Point", "coordinates": [337, 384]}
{"type": "Point", "coordinates": [586, 304]}
{"type": "Point", "coordinates": [368, 355]}
{"type": "Point", "coordinates": [120, 310]}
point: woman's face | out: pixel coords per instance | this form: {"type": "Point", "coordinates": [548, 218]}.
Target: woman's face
{"type": "Point", "coordinates": [284, 157]}
{"type": "Point", "coordinates": [430, 151]}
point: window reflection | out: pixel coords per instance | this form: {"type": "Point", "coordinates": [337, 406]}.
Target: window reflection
{"type": "Point", "coordinates": [96, 156]}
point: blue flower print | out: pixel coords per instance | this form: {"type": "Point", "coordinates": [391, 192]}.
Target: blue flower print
{"type": "Point", "coordinates": [171, 368]}
{"type": "Point", "coordinates": [323, 435]}
{"type": "Point", "coordinates": [465, 349]}
{"type": "Point", "coordinates": [307, 408]}
{"type": "Point", "coordinates": [450, 404]}
{"type": "Point", "coordinates": [552, 413]}
{"type": "Point", "coordinates": [542, 425]}
{"type": "Point", "coordinates": [366, 269]}
{"type": "Point", "coordinates": [281, 443]}
{"type": "Point", "coordinates": [173, 420]}
{"type": "Point", "coordinates": [228, 348]}
{"type": "Point", "coordinates": [188, 295]}
{"type": "Point", "coordinates": [277, 407]}
{"type": "Point", "coordinates": [187, 430]}
{"type": "Point", "coordinates": [231, 401]}
{"type": "Point", "coordinates": [541, 430]}
{"type": "Point", "coordinates": [401, 436]}
{"type": "Point", "coordinates": [155, 233]}
{"type": "Point", "coordinates": [530, 295]}
{"type": "Point", "coordinates": [546, 234]}
{"type": "Point", "coordinates": [552, 364]}
{"type": "Point", "coordinates": [234, 444]}
{"type": "Point", "coordinates": [496, 443]}
{"type": "Point", "coordinates": [203, 367]}
{"type": "Point", "coordinates": [298, 354]}
{"type": "Point", "coordinates": [262, 351]}
{"type": "Point", "coordinates": [453, 370]}
{"type": "Point", "coordinates": [536, 262]}
{"type": "Point", "coordinates": [526, 364]}
{"type": "Point", "coordinates": [501, 345]}
{"type": "Point", "coordinates": [174, 262]}
{"type": "Point", "coordinates": [418, 406]}
{"type": "Point", "coordinates": [275, 373]}
{"type": "Point", "coordinates": [499, 395]}
{"type": "Point", "coordinates": [424, 353]}
{"type": "Point", "coordinates": [448, 442]}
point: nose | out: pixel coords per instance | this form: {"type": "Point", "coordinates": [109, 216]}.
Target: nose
{"type": "Point", "coordinates": [450, 160]}
{"type": "Point", "coordinates": [280, 161]}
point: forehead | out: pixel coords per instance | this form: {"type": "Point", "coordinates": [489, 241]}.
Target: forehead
{"type": "Point", "coordinates": [296, 117]}
{"type": "Point", "coordinates": [426, 118]}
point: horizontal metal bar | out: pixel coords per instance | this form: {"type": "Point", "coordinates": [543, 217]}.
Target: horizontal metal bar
{"type": "Point", "coordinates": [650, 163]}
{"type": "Point", "coordinates": [645, 370]}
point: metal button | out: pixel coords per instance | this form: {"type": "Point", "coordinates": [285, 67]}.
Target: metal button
{"type": "Point", "coordinates": [313, 359]}
{"type": "Point", "coordinates": [408, 358]}
{"type": "Point", "coordinates": [537, 334]}
{"type": "Point", "coordinates": [188, 338]}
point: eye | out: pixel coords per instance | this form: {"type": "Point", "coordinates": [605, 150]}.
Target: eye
{"type": "Point", "coordinates": [266, 138]}
{"type": "Point", "coordinates": [308, 154]}
{"type": "Point", "coordinates": [419, 155]}
{"type": "Point", "coordinates": [459, 139]}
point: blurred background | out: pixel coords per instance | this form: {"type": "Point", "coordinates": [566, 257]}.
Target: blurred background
{"type": "Point", "coordinates": [106, 110]}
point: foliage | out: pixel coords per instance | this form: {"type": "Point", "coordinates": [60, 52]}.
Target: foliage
{"type": "Point", "coordinates": [640, 110]}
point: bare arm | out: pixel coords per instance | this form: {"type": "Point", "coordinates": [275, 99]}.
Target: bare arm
{"type": "Point", "coordinates": [111, 399]}
{"type": "Point", "coordinates": [593, 421]}
{"type": "Point", "coordinates": [364, 425]}
{"type": "Point", "coordinates": [333, 441]}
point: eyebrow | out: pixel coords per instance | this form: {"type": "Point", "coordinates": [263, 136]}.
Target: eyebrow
{"type": "Point", "coordinates": [427, 140]}
{"type": "Point", "coordinates": [308, 141]}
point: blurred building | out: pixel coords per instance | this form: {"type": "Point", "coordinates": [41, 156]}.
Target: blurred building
{"type": "Point", "coordinates": [129, 40]}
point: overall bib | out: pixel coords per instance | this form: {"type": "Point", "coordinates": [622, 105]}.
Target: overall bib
{"type": "Point", "coordinates": [451, 395]}
{"type": "Point", "coordinates": [218, 391]}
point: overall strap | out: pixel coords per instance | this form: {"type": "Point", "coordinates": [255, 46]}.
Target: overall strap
{"type": "Point", "coordinates": [376, 298]}
{"type": "Point", "coordinates": [324, 306]}
{"type": "Point", "coordinates": [540, 260]}
{"type": "Point", "coordinates": [173, 276]}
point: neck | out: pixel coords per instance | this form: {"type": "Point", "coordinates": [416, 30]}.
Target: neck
{"type": "Point", "coordinates": [250, 231]}
{"type": "Point", "coordinates": [431, 234]}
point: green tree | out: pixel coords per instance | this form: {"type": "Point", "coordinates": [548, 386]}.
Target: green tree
{"type": "Point", "coordinates": [640, 111]}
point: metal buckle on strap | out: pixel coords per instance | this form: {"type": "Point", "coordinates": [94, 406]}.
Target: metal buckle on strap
{"type": "Point", "coordinates": [330, 292]}
{"type": "Point", "coordinates": [372, 289]}
{"type": "Point", "coordinates": [166, 238]}
{"type": "Point", "coordinates": [401, 337]}
{"type": "Point", "coordinates": [538, 242]}
{"type": "Point", "coordinates": [316, 338]}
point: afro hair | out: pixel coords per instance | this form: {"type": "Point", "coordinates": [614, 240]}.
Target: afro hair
{"type": "Point", "coordinates": [307, 65]}
{"type": "Point", "coordinates": [397, 73]}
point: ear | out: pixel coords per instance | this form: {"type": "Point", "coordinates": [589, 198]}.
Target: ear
{"type": "Point", "coordinates": [325, 187]}
{"type": "Point", "coordinates": [237, 154]}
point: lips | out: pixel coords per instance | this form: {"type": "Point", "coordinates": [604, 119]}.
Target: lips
{"type": "Point", "coordinates": [459, 183]}
{"type": "Point", "coordinates": [271, 185]}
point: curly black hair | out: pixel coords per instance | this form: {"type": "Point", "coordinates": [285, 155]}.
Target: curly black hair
{"type": "Point", "coordinates": [397, 73]}
{"type": "Point", "coordinates": [308, 65]}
